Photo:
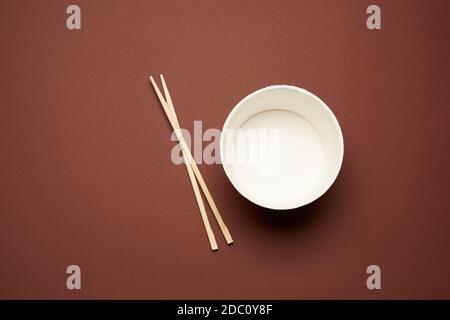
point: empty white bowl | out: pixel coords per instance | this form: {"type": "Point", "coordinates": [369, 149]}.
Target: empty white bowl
{"type": "Point", "coordinates": [281, 147]}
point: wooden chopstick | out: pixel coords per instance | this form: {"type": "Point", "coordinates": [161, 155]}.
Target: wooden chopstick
{"type": "Point", "coordinates": [198, 196]}
{"type": "Point", "coordinates": [171, 117]}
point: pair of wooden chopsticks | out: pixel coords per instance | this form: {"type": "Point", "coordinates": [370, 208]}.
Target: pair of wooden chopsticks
{"type": "Point", "coordinates": [192, 169]}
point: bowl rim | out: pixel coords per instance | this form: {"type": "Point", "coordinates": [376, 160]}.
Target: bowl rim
{"type": "Point", "coordinates": [330, 113]}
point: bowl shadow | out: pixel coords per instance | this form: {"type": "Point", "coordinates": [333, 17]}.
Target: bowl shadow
{"type": "Point", "coordinates": [292, 221]}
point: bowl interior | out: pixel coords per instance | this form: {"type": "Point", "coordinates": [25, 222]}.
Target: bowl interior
{"type": "Point", "coordinates": [281, 147]}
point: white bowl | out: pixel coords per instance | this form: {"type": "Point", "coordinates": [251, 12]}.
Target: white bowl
{"type": "Point", "coordinates": [281, 147]}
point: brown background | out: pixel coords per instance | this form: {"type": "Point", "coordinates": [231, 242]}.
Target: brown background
{"type": "Point", "coordinates": [86, 176]}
